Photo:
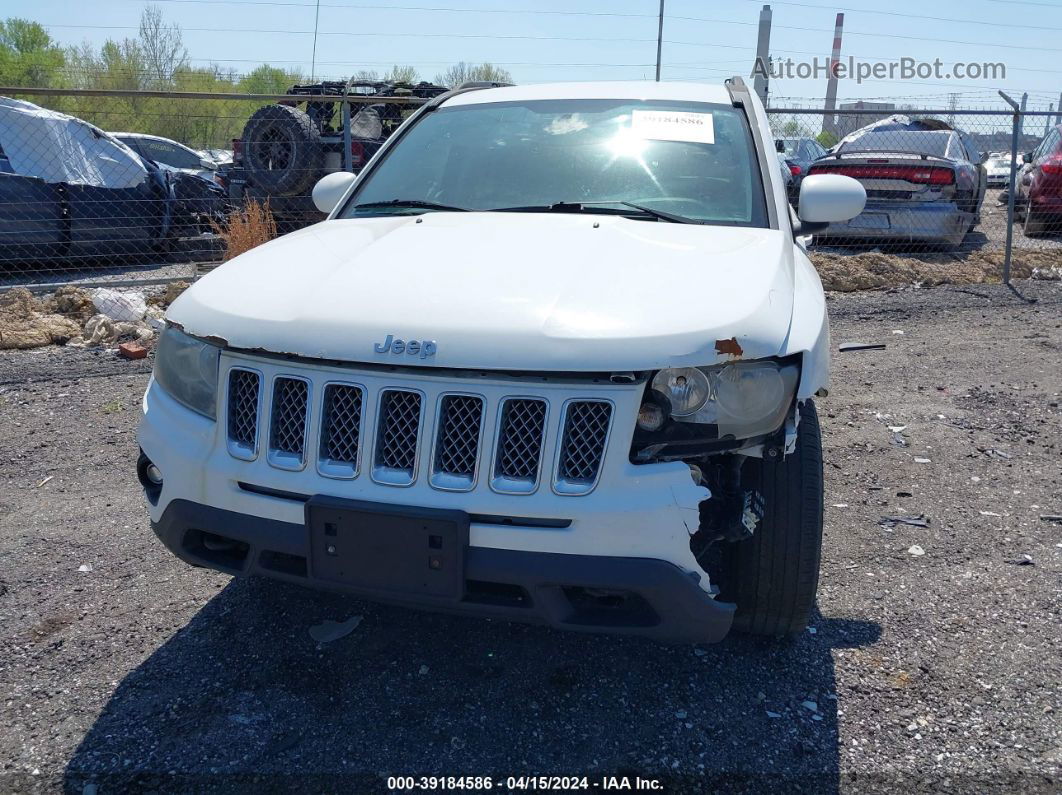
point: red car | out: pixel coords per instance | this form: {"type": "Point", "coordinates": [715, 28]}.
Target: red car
{"type": "Point", "coordinates": [1040, 187]}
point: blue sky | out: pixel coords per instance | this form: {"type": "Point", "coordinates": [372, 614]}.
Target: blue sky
{"type": "Point", "coordinates": [602, 39]}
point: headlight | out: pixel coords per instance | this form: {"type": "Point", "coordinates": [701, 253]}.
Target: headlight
{"type": "Point", "coordinates": [187, 369]}
{"type": "Point", "coordinates": [743, 399]}
{"type": "Point", "coordinates": [686, 387]}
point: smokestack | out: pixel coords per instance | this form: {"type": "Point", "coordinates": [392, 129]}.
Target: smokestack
{"type": "Point", "coordinates": [763, 54]}
{"type": "Point", "coordinates": [829, 120]}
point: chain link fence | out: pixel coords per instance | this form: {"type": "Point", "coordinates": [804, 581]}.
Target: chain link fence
{"type": "Point", "coordinates": [108, 197]}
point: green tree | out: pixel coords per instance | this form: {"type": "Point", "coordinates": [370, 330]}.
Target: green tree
{"type": "Point", "coordinates": [28, 56]}
{"type": "Point", "coordinates": [826, 138]}
{"type": "Point", "coordinates": [268, 79]}
{"type": "Point", "coordinates": [401, 74]}
{"type": "Point", "coordinates": [463, 73]}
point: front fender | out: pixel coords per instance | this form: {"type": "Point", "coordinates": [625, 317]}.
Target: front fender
{"type": "Point", "coordinates": [809, 331]}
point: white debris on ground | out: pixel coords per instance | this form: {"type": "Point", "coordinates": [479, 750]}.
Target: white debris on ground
{"type": "Point", "coordinates": [84, 318]}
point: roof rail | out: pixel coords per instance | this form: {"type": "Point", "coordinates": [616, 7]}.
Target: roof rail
{"type": "Point", "coordinates": [473, 84]}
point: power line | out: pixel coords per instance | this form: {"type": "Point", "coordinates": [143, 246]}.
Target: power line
{"type": "Point", "coordinates": [934, 39]}
{"type": "Point", "coordinates": [993, 24]}
{"type": "Point", "coordinates": [373, 7]}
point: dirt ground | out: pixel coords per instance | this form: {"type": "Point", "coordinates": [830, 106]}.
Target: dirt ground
{"type": "Point", "coordinates": [934, 660]}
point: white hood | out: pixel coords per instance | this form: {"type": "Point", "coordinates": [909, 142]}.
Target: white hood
{"type": "Point", "coordinates": [502, 291]}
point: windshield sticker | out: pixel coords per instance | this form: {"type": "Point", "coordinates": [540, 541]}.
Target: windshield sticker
{"type": "Point", "coordinates": [673, 125]}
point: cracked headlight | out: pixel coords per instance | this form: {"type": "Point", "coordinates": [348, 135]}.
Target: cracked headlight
{"type": "Point", "coordinates": [686, 387]}
{"type": "Point", "coordinates": [744, 399]}
{"type": "Point", "coordinates": [187, 368]}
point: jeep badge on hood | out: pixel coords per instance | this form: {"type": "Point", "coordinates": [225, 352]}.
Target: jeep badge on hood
{"type": "Point", "coordinates": [425, 349]}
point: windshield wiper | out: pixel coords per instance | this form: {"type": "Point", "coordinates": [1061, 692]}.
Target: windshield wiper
{"type": "Point", "coordinates": [557, 207]}
{"type": "Point", "coordinates": [415, 204]}
{"type": "Point", "coordinates": [661, 215]}
{"type": "Point", "coordinates": [593, 208]}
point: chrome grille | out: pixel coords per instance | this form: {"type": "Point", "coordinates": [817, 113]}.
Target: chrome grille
{"type": "Point", "coordinates": [586, 425]}
{"type": "Point", "coordinates": [457, 441]}
{"type": "Point", "coordinates": [243, 411]}
{"type": "Point", "coordinates": [341, 428]}
{"type": "Point", "coordinates": [396, 441]}
{"type": "Point", "coordinates": [520, 444]}
{"type": "Point", "coordinates": [287, 430]}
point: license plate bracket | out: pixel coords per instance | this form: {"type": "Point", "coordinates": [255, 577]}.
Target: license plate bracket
{"type": "Point", "coordinates": [388, 549]}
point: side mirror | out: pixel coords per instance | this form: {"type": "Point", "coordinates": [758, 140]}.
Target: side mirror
{"type": "Point", "coordinates": [827, 198]}
{"type": "Point", "coordinates": [209, 165]}
{"type": "Point", "coordinates": [1026, 157]}
{"type": "Point", "coordinates": [330, 189]}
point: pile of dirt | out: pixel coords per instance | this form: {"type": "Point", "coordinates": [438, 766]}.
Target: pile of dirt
{"type": "Point", "coordinates": [72, 302]}
{"type": "Point", "coordinates": [167, 296]}
{"type": "Point", "coordinates": [26, 322]}
{"type": "Point", "coordinates": [874, 270]}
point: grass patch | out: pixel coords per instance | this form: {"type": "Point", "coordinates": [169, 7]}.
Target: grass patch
{"type": "Point", "coordinates": [245, 228]}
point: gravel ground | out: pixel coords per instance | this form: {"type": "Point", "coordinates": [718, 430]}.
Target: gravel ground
{"type": "Point", "coordinates": [939, 670]}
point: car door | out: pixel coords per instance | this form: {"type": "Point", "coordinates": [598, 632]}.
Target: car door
{"type": "Point", "coordinates": [31, 218]}
{"type": "Point", "coordinates": [117, 220]}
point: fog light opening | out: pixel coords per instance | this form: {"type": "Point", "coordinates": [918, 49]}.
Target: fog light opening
{"type": "Point", "coordinates": [153, 474]}
{"type": "Point", "coordinates": [216, 543]}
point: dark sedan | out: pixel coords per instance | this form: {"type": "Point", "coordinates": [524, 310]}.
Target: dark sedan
{"type": "Point", "coordinates": [799, 154]}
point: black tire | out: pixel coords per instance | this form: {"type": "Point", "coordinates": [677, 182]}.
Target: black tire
{"type": "Point", "coordinates": [773, 576]}
{"type": "Point", "coordinates": [282, 150]}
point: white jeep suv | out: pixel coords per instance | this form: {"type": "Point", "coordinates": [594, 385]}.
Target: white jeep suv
{"type": "Point", "coordinates": [550, 358]}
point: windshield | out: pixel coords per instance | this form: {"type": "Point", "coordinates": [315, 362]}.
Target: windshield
{"type": "Point", "coordinates": [922, 142]}
{"type": "Point", "coordinates": [690, 159]}
{"type": "Point", "coordinates": [789, 146]}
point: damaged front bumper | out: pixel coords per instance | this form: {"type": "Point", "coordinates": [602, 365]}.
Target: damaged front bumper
{"type": "Point", "coordinates": [615, 559]}
{"type": "Point", "coordinates": [590, 593]}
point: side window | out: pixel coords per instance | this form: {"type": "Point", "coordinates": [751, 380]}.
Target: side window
{"type": "Point", "coordinates": [168, 153]}
{"type": "Point", "coordinates": [1053, 140]}
{"type": "Point", "coordinates": [1043, 148]}
{"type": "Point", "coordinates": [130, 142]}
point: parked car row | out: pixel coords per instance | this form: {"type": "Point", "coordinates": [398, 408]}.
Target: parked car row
{"type": "Point", "coordinates": [926, 181]}
{"type": "Point", "coordinates": [69, 189]}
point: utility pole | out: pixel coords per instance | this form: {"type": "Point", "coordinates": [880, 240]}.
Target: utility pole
{"type": "Point", "coordinates": [829, 120]}
{"type": "Point", "coordinates": [1047, 120]}
{"type": "Point", "coordinates": [313, 62]}
{"type": "Point", "coordinates": [763, 55]}
{"type": "Point", "coordinates": [659, 39]}
{"type": "Point", "coordinates": [1058, 116]}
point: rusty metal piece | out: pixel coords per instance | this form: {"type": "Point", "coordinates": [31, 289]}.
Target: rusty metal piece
{"type": "Point", "coordinates": [729, 347]}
